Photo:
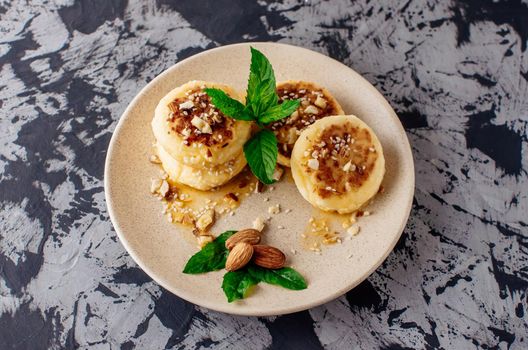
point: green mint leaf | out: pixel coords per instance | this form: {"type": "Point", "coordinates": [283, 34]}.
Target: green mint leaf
{"type": "Point", "coordinates": [266, 97]}
{"type": "Point", "coordinates": [278, 112]}
{"type": "Point", "coordinates": [237, 284]}
{"type": "Point", "coordinates": [222, 238]}
{"type": "Point", "coordinates": [285, 277]}
{"type": "Point", "coordinates": [261, 154]}
{"type": "Point", "coordinates": [212, 257]}
{"type": "Point", "coordinates": [260, 93]}
{"type": "Point", "coordinates": [227, 105]}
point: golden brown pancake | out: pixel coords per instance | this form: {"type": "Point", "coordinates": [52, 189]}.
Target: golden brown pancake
{"type": "Point", "coordinates": [195, 132]}
{"type": "Point", "coordinates": [201, 178]}
{"type": "Point", "coordinates": [316, 103]}
{"type": "Point", "coordinates": [338, 163]}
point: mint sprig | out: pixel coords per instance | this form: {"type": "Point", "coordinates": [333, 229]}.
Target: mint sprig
{"type": "Point", "coordinates": [237, 284]}
{"type": "Point", "coordinates": [263, 107]}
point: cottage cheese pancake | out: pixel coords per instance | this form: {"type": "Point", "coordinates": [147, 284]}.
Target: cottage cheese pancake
{"type": "Point", "coordinates": [195, 132]}
{"type": "Point", "coordinates": [201, 178]}
{"type": "Point", "coordinates": [338, 164]}
{"type": "Point", "coordinates": [316, 103]}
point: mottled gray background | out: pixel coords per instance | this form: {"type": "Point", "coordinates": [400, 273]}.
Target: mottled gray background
{"type": "Point", "coordinates": [455, 71]}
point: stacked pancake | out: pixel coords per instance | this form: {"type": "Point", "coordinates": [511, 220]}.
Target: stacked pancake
{"type": "Point", "coordinates": [337, 161]}
{"type": "Point", "coordinates": [199, 146]}
{"type": "Point", "coordinates": [316, 103]}
{"type": "Point", "coordinates": [338, 164]}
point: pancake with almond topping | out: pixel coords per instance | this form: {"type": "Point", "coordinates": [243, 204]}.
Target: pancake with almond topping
{"type": "Point", "coordinates": [316, 103]}
{"type": "Point", "coordinates": [201, 178]}
{"type": "Point", "coordinates": [338, 164]}
{"type": "Point", "coordinates": [193, 131]}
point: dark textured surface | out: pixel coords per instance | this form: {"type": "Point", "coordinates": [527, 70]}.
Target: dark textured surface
{"type": "Point", "coordinates": [455, 71]}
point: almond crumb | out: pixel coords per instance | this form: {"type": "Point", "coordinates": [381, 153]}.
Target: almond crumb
{"type": "Point", "coordinates": [353, 230]}
{"type": "Point", "coordinates": [274, 209]}
{"type": "Point", "coordinates": [277, 173]}
{"type": "Point", "coordinates": [203, 240]}
{"type": "Point", "coordinates": [186, 132]}
{"type": "Point", "coordinates": [205, 220]}
{"type": "Point", "coordinates": [294, 116]}
{"type": "Point", "coordinates": [201, 125]}
{"type": "Point", "coordinates": [155, 184]}
{"type": "Point", "coordinates": [154, 159]}
{"type": "Point", "coordinates": [186, 105]}
{"type": "Point", "coordinates": [313, 164]}
{"type": "Point", "coordinates": [230, 197]}
{"type": "Point", "coordinates": [320, 102]}
{"type": "Point", "coordinates": [311, 110]}
{"type": "Point", "coordinates": [164, 189]}
{"type": "Point", "coordinates": [258, 187]}
{"type": "Point", "coordinates": [259, 224]}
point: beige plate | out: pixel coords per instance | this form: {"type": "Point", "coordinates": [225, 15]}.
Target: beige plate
{"type": "Point", "coordinates": [161, 251]}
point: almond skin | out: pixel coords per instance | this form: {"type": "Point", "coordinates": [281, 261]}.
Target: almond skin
{"type": "Point", "coordinates": [250, 236]}
{"type": "Point", "coordinates": [268, 257]}
{"type": "Point", "coordinates": [239, 256]}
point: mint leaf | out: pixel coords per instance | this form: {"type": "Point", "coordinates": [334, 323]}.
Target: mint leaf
{"type": "Point", "coordinates": [212, 257]}
{"type": "Point", "coordinates": [261, 154]}
{"type": "Point", "coordinates": [278, 112]}
{"type": "Point", "coordinates": [285, 277]}
{"type": "Point", "coordinates": [227, 105]}
{"type": "Point", "coordinates": [260, 94]}
{"type": "Point", "coordinates": [261, 106]}
{"type": "Point", "coordinates": [266, 97]}
{"type": "Point", "coordinates": [222, 238]}
{"type": "Point", "coordinates": [237, 284]}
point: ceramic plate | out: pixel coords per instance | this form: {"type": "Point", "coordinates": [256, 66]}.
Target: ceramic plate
{"type": "Point", "coordinates": [161, 251]}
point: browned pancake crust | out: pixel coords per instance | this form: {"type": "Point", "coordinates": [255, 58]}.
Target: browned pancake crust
{"type": "Point", "coordinates": [180, 120]}
{"type": "Point", "coordinates": [337, 146]}
{"type": "Point", "coordinates": [308, 93]}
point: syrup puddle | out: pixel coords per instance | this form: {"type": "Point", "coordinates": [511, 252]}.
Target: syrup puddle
{"type": "Point", "coordinates": [184, 206]}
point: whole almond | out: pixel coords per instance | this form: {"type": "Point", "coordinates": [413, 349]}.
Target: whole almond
{"type": "Point", "coordinates": [249, 235]}
{"type": "Point", "coordinates": [268, 256]}
{"type": "Point", "coordinates": [239, 256]}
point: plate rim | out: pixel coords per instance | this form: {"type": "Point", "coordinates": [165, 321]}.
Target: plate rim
{"type": "Point", "coordinates": [212, 305]}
